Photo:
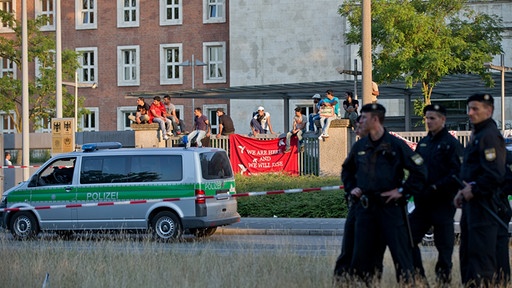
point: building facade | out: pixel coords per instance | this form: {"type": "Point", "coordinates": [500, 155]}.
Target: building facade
{"type": "Point", "coordinates": [146, 48]}
{"type": "Point", "coordinates": [137, 45]}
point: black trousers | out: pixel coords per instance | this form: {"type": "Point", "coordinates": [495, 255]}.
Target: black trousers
{"type": "Point", "coordinates": [342, 266]}
{"type": "Point", "coordinates": [377, 226]}
{"type": "Point", "coordinates": [479, 245]}
{"type": "Point", "coordinates": [440, 217]}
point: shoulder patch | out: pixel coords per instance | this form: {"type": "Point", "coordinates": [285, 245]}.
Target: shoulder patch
{"type": "Point", "coordinates": [416, 158]}
{"type": "Point", "coordinates": [361, 153]}
{"type": "Point", "coordinates": [490, 154]}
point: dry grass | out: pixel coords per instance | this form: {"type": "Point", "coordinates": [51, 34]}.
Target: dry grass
{"type": "Point", "coordinates": [142, 263]}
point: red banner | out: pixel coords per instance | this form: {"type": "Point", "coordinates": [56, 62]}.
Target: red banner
{"type": "Point", "coordinates": [251, 156]}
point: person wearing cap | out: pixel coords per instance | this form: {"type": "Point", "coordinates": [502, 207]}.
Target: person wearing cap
{"type": "Point", "coordinates": [373, 175]}
{"type": "Point", "coordinates": [434, 206]}
{"type": "Point", "coordinates": [260, 123]}
{"type": "Point", "coordinates": [226, 126]}
{"type": "Point", "coordinates": [299, 127]}
{"type": "Point", "coordinates": [484, 256]}
{"type": "Point", "coordinates": [313, 117]}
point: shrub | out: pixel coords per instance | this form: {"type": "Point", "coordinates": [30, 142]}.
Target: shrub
{"type": "Point", "coordinates": [320, 204]}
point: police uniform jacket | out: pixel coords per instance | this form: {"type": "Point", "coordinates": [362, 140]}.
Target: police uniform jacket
{"type": "Point", "coordinates": [442, 154]}
{"type": "Point", "coordinates": [378, 166]}
{"type": "Point", "coordinates": [484, 160]}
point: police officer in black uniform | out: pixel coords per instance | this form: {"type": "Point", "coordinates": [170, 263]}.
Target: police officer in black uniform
{"type": "Point", "coordinates": [482, 250]}
{"type": "Point", "coordinates": [434, 206]}
{"type": "Point", "coordinates": [342, 270]}
{"type": "Point", "coordinates": [374, 174]}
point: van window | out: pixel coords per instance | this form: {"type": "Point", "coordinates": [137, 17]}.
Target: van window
{"type": "Point", "coordinates": [126, 169]}
{"type": "Point", "coordinates": [215, 165]}
{"type": "Point", "coordinates": [59, 172]}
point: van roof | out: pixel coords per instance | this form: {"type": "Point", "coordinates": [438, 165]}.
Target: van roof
{"type": "Point", "coordinates": [114, 147]}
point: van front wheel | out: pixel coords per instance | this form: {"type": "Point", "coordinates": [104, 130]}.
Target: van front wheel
{"type": "Point", "coordinates": [24, 226]}
{"type": "Point", "coordinates": [166, 226]}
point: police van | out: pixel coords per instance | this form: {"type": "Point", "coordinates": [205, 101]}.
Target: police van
{"type": "Point", "coordinates": [166, 191]}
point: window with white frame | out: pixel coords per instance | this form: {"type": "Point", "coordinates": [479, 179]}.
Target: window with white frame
{"type": "Point", "coordinates": [90, 121]}
{"type": "Point", "coordinates": [214, 11]}
{"type": "Point", "coordinates": [46, 8]}
{"type": "Point", "coordinates": [7, 6]}
{"type": "Point", "coordinates": [7, 125]}
{"type": "Point", "coordinates": [170, 57]}
{"type": "Point", "coordinates": [123, 122]}
{"type": "Point", "coordinates": [88, 59]}
{"type": "Point", "coordinates": [128, 64]}
{"type": "Point", "coordinates": [127, 13]}
{"type": "Point", "coordinates": [211, 112]}
{"type": "Point", "coordinates": [171, 12]}
{"type": "Point", "coordinates": [7, 68]}
{"type": "Point", "coordinates": [215, 55]}
{"type": "Point", "coordinates": [44, 125]}
{"type": "Point", "coordinates": [85, 14]}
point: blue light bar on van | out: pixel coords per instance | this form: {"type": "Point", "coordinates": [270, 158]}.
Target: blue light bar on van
{"type": "Point", "coordinates": [89, 147]}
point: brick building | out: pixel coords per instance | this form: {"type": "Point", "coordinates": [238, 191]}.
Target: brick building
{"type": "Point", "coordinates": [130, 46]}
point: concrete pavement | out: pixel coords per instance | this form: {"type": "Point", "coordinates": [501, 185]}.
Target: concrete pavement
{"type": "Point", "coordinates": [286, 226]}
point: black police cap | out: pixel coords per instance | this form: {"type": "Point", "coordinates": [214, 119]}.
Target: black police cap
{"type": "Point", "coordinates": [482, 97]}
{"type": "Point", "coordinates": [435, 108]}
{"type": "Point", "coordinates": [373, 107]}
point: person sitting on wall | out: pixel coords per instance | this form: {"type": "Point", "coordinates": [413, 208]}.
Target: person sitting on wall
{"type": "Point", "coordinates": [299, 126]}
{"type": "Point", "coordinates": [142, 116]}
{"type": "Point", "coordinates": [314, 118]}
{"type": "Point", "coordinates": [157, 115]}
{"type": "Point", "coordinates": [226, 126]}
{"type": "Point", "coordinates": [350, 105]}
{"type": "Point", "coordinates": [260, 123]}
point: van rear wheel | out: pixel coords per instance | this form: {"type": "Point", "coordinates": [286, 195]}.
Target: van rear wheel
{"type": "Point", "coordinates": [166, 226]}
{"type": "Point", "coordinates": [203, 232]}
{"type": "Point", "coordinates": [24, 226]}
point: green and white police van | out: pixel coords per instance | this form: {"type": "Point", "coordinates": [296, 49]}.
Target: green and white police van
{"type": "Point", "coordinates": [166, 191]}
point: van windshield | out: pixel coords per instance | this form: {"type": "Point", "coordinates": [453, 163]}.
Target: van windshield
{"type": "Point", "coordinates": [215, 165]}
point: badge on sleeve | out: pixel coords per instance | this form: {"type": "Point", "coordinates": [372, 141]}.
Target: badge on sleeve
{"type": "Point", "coordinates": [490, 154]}
{"type": "Point", "coordinates": [416, 158]}
{"type": "Point", "coordinates": [361, 153]}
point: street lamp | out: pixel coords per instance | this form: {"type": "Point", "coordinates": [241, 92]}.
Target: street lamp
{"type": "Point", "coordinates": [501, 68]}
{"type": "Point", "coordinates": [193, 63]}
{"type": "Point", "coordinates": [78, 85]}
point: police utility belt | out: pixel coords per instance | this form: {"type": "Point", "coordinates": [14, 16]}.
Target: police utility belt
{"type": "Point", "coordinates": [374, 199]}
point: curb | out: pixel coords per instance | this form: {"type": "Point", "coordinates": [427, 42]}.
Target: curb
{"type": "Point", "coordinates": [291, 232]}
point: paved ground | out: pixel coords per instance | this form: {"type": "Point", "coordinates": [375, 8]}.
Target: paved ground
{"type": "Point", "coordinates": [285, 226]}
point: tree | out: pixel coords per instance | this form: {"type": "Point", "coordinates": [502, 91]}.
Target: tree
{"type": "Point", "coordinates": [422, 41]}
{"type": "Point", "coordinates": [41, 47]}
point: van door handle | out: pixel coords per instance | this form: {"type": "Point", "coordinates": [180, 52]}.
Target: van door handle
{"type": "Point", "coordinates": [68, 189]}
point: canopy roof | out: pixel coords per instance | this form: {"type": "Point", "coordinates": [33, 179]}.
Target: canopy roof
{"type": "Point", "coordinates": [451, 87]}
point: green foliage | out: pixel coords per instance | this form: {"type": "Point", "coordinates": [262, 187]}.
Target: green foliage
{"type": "Point", "coordinates": [322, 204]}
{"type": "Point", "coordinates": [422, 41]}
{"type": "Point", "coordinates": [42, 89]}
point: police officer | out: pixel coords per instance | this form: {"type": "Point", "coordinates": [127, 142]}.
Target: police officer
{"type": "Point", "coordinates": [434, 206]}
{"type": "Point", "coordinates": [482, 250]}
{"type": "Point", "coordinates": [374, 174]}
{"type": "Point", "coordinates": [341, 268]}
